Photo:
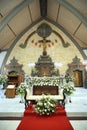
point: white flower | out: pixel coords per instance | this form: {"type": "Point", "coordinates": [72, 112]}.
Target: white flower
{"type": "Point", "coordinates": [68, 88]}
{"type": "Point", "coordinates": [44, 81]}
{"type": "Point", "coordinates": [45, 105]}
{"type": "Point", "coordinates": [21, 89]}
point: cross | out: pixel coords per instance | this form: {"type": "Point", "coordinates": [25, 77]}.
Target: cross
{"type": "Point", "coordinates": [44, 41]}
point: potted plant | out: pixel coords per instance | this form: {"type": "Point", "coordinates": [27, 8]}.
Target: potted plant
{"type": "Point", "coordinates": [68, 90]}
{"type": "Point", "coordinates": [21, 91]}
{"type": "Point", "coordinates": [3, 79]}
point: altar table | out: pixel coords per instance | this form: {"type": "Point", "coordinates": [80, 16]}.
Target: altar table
{"type": "Point", "coordinates": [59, 97]}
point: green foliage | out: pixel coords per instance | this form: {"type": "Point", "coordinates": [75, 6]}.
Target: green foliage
{"type": "Point", "coordinates": [34, 72]}
{"type": "Point", "coordinates": [69, 79]}
{"type": "Point", "coordinates": [21, 89]}
{"type": "Point", "coordinates": [54, 73]}
{"type": "Point", "coordinates": [3, 78]}
{"type": "Point", "coordinates": [68, 89]}
{"type": "Point", "coordinates": [50, 81]}
{"type": "Point", "coordinates": [45, 105]}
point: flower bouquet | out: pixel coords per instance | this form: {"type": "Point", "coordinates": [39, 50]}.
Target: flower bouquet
{"type": "Point", "coordinates": [69, 79]}
{"type": "Point", "coordinates": [68, 89]}
{"type": "Point", "coordinates": [41, 81]}
{"type": "Point", "coordinates": [3, 79]}
{"type": "Point", "coordinates": [21, 91]}
{"type": "Point", "coordinates": [45, 106]}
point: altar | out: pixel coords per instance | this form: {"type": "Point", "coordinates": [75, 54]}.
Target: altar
{"type": "Point", "coordinates": [44, 79]}
{"type": "Point", "coordinates": [44, 85]}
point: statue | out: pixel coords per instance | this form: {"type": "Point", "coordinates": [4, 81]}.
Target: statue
{"type": "Point", "coordinates": [44, 47]}
{"type": "Point", "coordinates": [44, 43]}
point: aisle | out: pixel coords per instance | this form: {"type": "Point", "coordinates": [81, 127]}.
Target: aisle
{"type": "Point", "coordinates": [33, 121]}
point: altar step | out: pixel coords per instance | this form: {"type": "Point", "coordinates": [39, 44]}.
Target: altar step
{"type": "Point", "coordinates": [12, 108]}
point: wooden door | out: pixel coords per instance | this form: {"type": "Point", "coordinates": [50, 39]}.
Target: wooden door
{"type": "Point", "coordinates": [78, 78]}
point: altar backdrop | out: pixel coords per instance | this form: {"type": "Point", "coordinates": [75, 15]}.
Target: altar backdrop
{"type": "Point", "coordinates": [33, 50]}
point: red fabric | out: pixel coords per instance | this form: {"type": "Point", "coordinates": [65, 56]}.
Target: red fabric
{"type": "Point", "coordinates": [29, 110]}
{"type": "Point", "coordinates": [32, 121]}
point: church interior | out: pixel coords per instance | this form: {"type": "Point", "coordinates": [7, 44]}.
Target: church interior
{"type": "Point", "coordinates": [42, 45]}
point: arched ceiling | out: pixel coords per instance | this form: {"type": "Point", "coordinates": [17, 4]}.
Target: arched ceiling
{"type": "Point", "coordinates": [17, 15]}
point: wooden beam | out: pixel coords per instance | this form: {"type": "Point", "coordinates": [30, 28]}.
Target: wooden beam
{"type": "Point", "coordinates": [43, 8]}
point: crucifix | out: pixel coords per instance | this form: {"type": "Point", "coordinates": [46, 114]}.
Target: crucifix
{"type": "Point", "coordinates": [44, 42]}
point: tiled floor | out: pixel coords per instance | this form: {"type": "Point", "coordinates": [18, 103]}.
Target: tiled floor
{"type": "Point", "coordinates": [13, 108]}
{"type": "Point", "coordinates": [12, 125]}
{"type": "Point", "coordinates": [78, 107]}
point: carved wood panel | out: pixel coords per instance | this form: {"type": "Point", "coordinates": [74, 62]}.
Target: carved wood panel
{"type": "Point", "coordinates": [39, 90]}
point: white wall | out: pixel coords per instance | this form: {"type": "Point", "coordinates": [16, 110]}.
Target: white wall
{"type": "Point", "coordinates": [85, 51]}
{"type": "Point", "coordinates": [2, 56]}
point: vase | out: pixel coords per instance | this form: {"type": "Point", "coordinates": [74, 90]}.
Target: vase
{"type": "Point", "coordinates": [22, 99]}
{"type": "Point", "coordinates": [68, 99]}
{"type": "Point", "coordinates": [1, 86]}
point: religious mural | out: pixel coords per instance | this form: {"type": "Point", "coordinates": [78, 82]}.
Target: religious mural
{"type": "Point", "coordinates": [56, 44]}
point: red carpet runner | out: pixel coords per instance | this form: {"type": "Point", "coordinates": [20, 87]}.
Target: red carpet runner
{"type": "Point", "coordinates": [57, 121]}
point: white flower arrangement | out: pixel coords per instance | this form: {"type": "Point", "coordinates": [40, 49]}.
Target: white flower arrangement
{"type": "Point", "coordinates": [45, 106]}
{"type": "Point", "coordinates": [21, 89]}
{"type": "Point", "coordinates": [43, 81]}
{"type": "Point", "coordinates": [3, 78]}
{"type": "Point", "coordinates": [69, 79]}
{"type": "Point", "coordinates": [68, 88]}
